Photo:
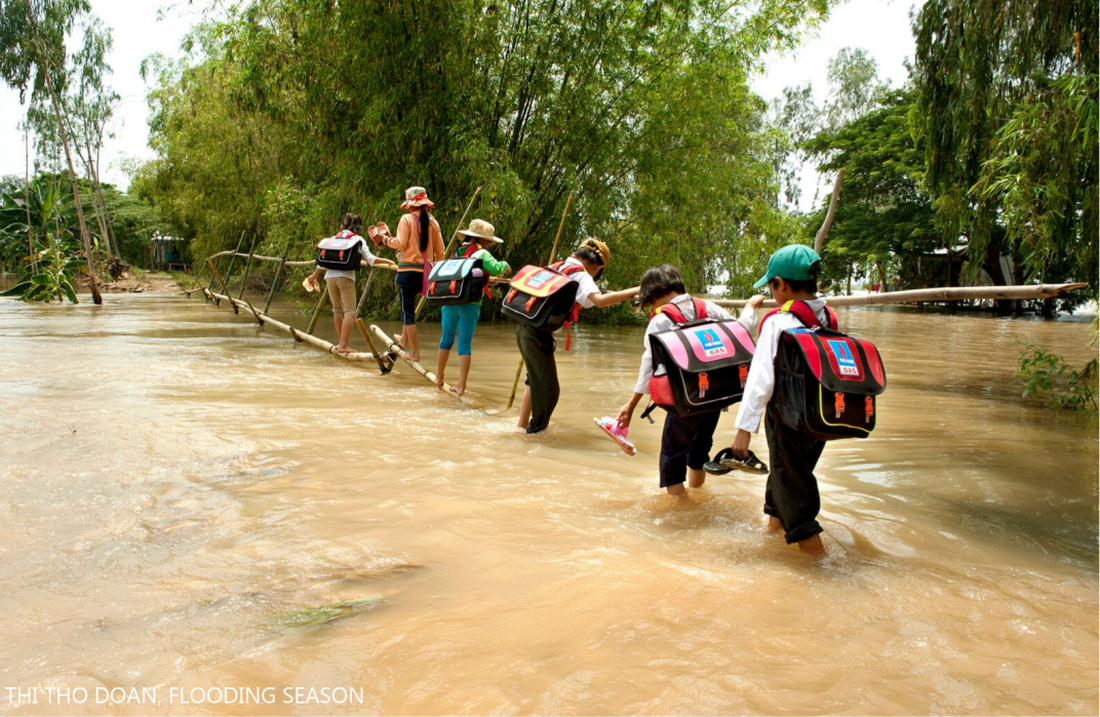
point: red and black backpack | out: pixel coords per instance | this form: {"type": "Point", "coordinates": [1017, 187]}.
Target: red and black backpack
{"type": "Point", "coordinates": [544, 297]}
{"type": "Point", "coordinates": [460, 280]}
{"type": "Point", "coordinates": [698, 365]}
{"type": "Point", "coordinates": [825, 381]}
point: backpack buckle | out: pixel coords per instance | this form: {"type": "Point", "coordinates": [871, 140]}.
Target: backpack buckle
{"type": "Point", "coordinates": [868, 408]}
{"type": "Point", "coordinates": [453, 286]}
{"type": "Point", "coordinates": [838, 403]}
{"type": "Point", "coordinates": [743, 373]}
{"type": "Point", "coordinates": [704, 384]}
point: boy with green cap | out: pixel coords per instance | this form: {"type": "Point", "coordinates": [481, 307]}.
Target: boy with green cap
{"type": "Point", "coordinates": [791, 498]}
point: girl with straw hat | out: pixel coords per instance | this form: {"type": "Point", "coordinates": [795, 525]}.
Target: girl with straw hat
{"type": "Point", "coordinates": [419, 243]}
{"type": "Point", "coordinates": [462, 318]}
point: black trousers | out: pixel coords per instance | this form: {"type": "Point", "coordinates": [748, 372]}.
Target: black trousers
{"type": "Point", "coordinates": [685, 443]}
{"type": "Point", "coordinates": [791, 494]}
{"type": "Point", "coordinates": [537, 348]}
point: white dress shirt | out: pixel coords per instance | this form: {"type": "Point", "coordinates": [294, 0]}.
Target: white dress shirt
{"type": "Point", "coordinates": [761, 381]}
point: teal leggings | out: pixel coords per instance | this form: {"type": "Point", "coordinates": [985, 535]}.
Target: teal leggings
{"type": "Point", "coordinates": [463, 319]}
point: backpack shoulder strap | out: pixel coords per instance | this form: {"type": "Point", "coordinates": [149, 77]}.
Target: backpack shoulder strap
{"type": "Point", "coordinates": [672, 312]}
{"type": "Point", "coordinates": [470, 250]}
{"type": "Point", "coordinates": [802, 312]}
{"type": "Point", "coordinates": [832, 322]}
{"type": "Point", "coordinates": [700, 308]}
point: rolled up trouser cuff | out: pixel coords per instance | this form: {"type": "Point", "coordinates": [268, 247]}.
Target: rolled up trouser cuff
{"type": "Point", "coordinates": [802, 532]}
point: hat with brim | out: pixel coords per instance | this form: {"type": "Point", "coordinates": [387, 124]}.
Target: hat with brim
{"type": "Point", "coordinates": [793, 261]}
{"type": "Point", "coordinates": [481, 229]}
{"type": "Point", "coordinates": [417, 197]}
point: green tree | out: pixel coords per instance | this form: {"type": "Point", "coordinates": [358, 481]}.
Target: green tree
{"type": "Point", "coordinates": [987, 72]}
{"type": "Point", "coordinates": [33, 55]}
{"type": "Point", "coordinates": [290, 112]}
{"type": "Point", "coordinates": [884, 214]}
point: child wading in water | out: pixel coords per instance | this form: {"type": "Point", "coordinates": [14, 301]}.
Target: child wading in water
{"type": "Point", "coordinates": [537, 346]}
{"type": "Point", "coordinates": [791, 499]}
{"type": "Point", "coordinates": [462, 318]}
{"type": "Point", "coordinates": [686, 440]}
{"type": "Point", "coordinates": [341, 283]}
{"type": "Point", "coordinates": [419, 242]}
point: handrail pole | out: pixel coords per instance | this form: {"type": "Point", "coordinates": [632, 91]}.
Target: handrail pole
{"type": "Point", "coordinates": [247, 266]}
{"type": "Point", "coordinates": [275, 281]}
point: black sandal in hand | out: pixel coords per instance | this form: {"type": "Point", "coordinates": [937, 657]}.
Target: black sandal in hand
{"type": "Point", "coordinates": [748, 464]}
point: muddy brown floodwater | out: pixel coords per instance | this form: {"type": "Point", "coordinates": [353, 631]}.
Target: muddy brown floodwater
{"type": "Point", "coordinates": [180, 488]}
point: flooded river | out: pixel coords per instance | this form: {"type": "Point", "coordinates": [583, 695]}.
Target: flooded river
{"type": "Point", "coordinates": [180, 488]}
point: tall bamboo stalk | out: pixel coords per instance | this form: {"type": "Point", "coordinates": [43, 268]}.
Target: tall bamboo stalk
{"type": "Point", "coordinates": [553, 252]}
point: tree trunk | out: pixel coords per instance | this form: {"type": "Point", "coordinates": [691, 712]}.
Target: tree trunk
{"type": "Point", "coordinates": [97, 298]}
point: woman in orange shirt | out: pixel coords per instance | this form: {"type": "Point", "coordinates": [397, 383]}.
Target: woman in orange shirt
{"type": "Point", "coordinates": [419, 242]}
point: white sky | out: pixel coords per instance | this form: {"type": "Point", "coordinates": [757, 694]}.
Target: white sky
{"type": "Point", "coordinates": [879, 26]}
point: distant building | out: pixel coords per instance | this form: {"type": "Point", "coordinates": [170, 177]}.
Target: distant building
{"type": "Point", "coordinates": [167, 253]}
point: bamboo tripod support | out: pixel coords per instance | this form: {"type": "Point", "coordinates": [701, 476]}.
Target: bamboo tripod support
{"type": "Point", "coordinates": [383, 365]}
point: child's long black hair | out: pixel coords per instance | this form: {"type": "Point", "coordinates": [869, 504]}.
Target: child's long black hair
{"type": "Point", "coordinates": [425, 220]}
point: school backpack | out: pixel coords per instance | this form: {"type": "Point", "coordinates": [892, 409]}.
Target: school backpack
{"type": "Point", "coordinates": [339, 252]}
{"type": "Point", "coordinates": [699, 365]}
{"type": "Point", "coordinates": [825, 381]}
{"type": "Point", "coordinates": [460, 280]}
{"type": "Point", "coordinates": [544, 297]}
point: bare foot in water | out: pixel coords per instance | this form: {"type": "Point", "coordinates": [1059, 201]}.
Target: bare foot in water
{"type": "Point", "coordinates": [459, 390]}
{"type": "Point", "coordinates": [772, 525]}
{"type": "Point", "coordinates": [344, 350]}
{"type": "Point", "coordinates": [813, 546]}
{"type": "Point", "coordinates": [439, 382]}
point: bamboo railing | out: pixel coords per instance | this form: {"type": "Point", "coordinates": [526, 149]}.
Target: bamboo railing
{"type": "Point", "coordinates": [384, 360]}
{"type": "Point", "coordinates": [952, 293]}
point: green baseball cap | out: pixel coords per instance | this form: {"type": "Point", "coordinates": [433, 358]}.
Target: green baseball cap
{"type": "Point", "coordinates": [791, 262]}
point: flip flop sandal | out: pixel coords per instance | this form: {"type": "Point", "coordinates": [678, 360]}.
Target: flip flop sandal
{"type": "Point", "coordinates": [308, 285]}
{"type": "Point", "coordinates": [749, 464]}
{"type": "Point", "coordinates": [627, 445]}
{"type": "Point", "coordinates": [717, 467]}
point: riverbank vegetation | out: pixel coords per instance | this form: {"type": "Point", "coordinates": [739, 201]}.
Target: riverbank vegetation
{"type": "Point", "coordinates": [283, 114]}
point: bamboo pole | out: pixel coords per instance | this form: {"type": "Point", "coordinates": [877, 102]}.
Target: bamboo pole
{"type": "Point", "coordinates": [229, 272]}
{"type": "Point", "coordinates": [383, 366]}
{"type": "Point", "coordinates": [300, 336]}
{"type": "Point", "coordinates": [275, 282]}
{"type": "Point", "coordinates": [396, 350]}
{"type": "Point", "coordinates": [203, 267]}
{"type": "Point", "coordinates": [317, 309]}
{"type": "Point", "coordinates": [451, 245]}
{"type": "Point", "coordinates": [247, 266]}
{"type": "Point", "coordinates": [216, 275]}
{"type": "Point", "coordinates": [553, 252]}
{"type": "Point", "coordinates": [943, 293]}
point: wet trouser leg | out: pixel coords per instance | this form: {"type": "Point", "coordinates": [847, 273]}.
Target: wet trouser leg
{"type": "Point", "coordinates": [792, 495]}
{"type": "Point", "coordinates": [537, 348]}
{"type": "Point", "coordinates": [686, 443]}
